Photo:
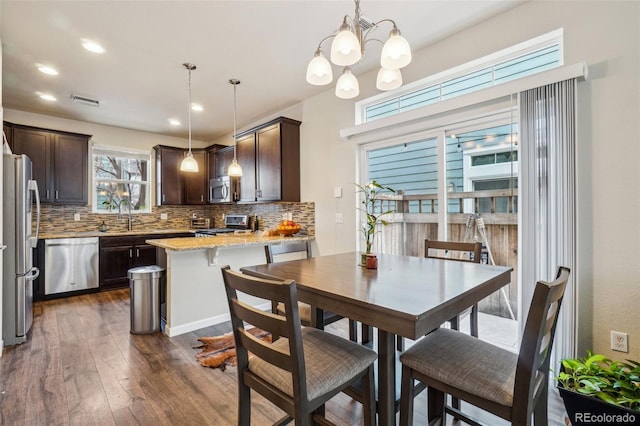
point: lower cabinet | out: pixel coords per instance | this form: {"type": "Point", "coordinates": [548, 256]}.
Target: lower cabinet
{"type": "Point", "coordinates": [119, 254]}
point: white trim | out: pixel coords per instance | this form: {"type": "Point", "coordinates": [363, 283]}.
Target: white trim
{"type": "Point", "coordinates": [545, 40]}
{"type": "Point", "coordinates": [379, 129]}
{"type": "Point", "coordinates": [206, 322]}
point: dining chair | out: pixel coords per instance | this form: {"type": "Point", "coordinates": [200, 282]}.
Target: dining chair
{"type": "Point", "coordinates": [462, 252]}
{"type": "Point", "coordinates": [302, 370]}
{"type": "Point", "coordinates": [303, 251]}
{"type": "Point", "coordinates": [511, 386]}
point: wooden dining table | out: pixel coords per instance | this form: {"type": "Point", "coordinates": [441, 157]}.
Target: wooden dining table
{"type": "Point", "coordinates": [405, 296]}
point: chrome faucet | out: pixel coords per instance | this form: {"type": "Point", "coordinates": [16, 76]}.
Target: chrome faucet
{"type": "Point", "coordinates": [129, 218]}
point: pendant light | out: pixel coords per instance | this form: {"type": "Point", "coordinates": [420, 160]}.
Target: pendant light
{"type": "Point", "coordinates": [234, 169]}
{"type": "Point", "coordinates": [189, 164]}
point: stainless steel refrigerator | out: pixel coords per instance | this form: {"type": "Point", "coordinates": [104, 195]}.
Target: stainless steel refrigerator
{"type": "Point", "coordinates": [20, 192]}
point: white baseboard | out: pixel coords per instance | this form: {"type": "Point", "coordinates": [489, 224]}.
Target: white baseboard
{"type": "Point", "coordinates": [206, 322]}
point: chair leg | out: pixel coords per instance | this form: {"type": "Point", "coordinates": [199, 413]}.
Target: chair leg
{"type": "Point", "coordinates": [455, 325]}
{"type": "Point", "coordinates": [407, 395]}
{"type": "Point", "coordinates": [353, 330]}
{"type": "Point", "coordinates": [540, 409]}
{"type": "Point", "coordinates": [435, 406]}
{"type": "Point", "coordinates": [369, 398]}
{"type": "Point", "coordinates": [399, 343]}
{"type": "Point", "coordinates": [474, 320]}
{"type": "Point", "coordinates": [244, 404]}
{"type": "Point", "coordinates": [367, 334]}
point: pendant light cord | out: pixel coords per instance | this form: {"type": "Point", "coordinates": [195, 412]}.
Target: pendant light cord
{"type": "Point", "coordinates": [235, 139]}
{"type": "Point", "coordinates": [189, 110]}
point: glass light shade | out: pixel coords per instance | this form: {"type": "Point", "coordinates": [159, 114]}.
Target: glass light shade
{"type": "Point", "coordinates": [388, 79]}
{"type": "Point", "coordinates": [189, 164]}
{"type": "Point", "coordinates": [234, 169]}
{"type": "Point", "coordinates": [347, 86]}
{"type": "Point", "coordinates": [319, 70]}
{"type": "Point", "coordinates": [345, 47]}
{"type": "Point", "coordinates": [396, 52]}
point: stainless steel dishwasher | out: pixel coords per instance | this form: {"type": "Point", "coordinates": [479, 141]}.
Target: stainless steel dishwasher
{"type": "Point", "coordinates": [70, 264]}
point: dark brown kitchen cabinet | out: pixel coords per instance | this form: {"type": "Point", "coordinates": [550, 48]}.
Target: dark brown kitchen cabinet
{"type": "Point", "coordinates": [270, 158]}
{"type": "Point", "coordinates": [169, 181]}
{"type": "Point", "coordinates": [8, 133]}
{"type": "Point", "coordinates": [175, 187]}
{"type": "Point", "coordinates": [196, 184]}
{"type": "Point", "coordinates": [59, 163]}
{"type": "Point", "coordinates": [118, 254]}
{"type": "Point", "coordinates": [246, 156]}
{"type": "Point", "coordinates": [222, 158]}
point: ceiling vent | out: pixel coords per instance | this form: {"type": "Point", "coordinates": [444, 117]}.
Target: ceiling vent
{"type": "Point", "coordinates": [85, 101]}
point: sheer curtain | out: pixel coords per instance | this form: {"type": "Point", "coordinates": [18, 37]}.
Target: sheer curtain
{"type": "Point", "coordinates": [548, 231]}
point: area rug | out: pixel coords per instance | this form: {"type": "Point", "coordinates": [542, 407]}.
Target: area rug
{"type": "Point", "coordinates": [220, 351]}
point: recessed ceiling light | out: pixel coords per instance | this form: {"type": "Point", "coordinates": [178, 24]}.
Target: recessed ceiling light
{"type": "Point", "coordinates": [47, 97]}
{"type": "Point", "coordinates": [197, 107]}
{"type": "Point", "coordinates": [174, 122]}
{"type": "Point", "coordinates": [47, 70]}
{"type": "Point", "coordinates": [92, 46]}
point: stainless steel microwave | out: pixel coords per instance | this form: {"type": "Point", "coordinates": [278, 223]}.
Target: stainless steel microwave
{"type": "Point", "coordinates": [220, 190]}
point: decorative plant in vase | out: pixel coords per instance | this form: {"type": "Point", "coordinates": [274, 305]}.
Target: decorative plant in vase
{"type": "Point", "coordinates": [596, 388]}
{"type": "Point", "coordinates": [373, 211]}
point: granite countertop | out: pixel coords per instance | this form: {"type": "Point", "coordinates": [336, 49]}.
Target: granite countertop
{"type": "Point", "coordinates": [86, 234]}
{"type": "Point", "coordinates": [226, 240]}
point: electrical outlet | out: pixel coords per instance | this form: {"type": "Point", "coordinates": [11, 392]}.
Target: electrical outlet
{"type": "Point", "coordinates": [619, 341]}
{"type": "Point", "coordinates": [164, 216]}
{"type": "Point", "coordinates": [339, 218]}
{"type": "Point", "coordinates": [76, 217]}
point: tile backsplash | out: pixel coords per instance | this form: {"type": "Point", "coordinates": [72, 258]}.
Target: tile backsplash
{"type": "Point", "coordinates": [60, 218]}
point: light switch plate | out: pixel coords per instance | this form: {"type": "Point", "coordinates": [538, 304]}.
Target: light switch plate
{"type": "Point", "coordinates": [339, 218]}
{"type": "Point", "coordinates": [164, 216]}
{"type": "Point", "coordinates": [76, 217]}
{"type": "Point", "coordinates": [337, 191]}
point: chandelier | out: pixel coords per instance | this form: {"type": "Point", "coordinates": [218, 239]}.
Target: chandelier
{"type": "Point", "coordinates": [348, 48]}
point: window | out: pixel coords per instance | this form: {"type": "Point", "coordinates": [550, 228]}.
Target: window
{"type": "Point", "coordinates": [121, 181]}
{"type": "Point", "coordinates": [531, 57]}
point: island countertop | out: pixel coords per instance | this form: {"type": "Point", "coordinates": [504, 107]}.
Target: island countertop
{"type": "Point", "coordinates": [225, 240]}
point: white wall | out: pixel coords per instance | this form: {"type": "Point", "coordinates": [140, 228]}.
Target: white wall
{"type": "Point", "coordinates": [606, 35]}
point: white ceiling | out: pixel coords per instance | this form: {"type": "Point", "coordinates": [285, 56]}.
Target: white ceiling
{"type": "Point", "coordinates": [140, 81]}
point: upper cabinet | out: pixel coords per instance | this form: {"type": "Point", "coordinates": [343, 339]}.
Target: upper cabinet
{"type": "Point", "coordinates": [175, 187]}
{"type": "Point", "coordinates": [220, 158]}
{"type": "Point", "coordinates": [169, 183]}
{"type": "Point", "coordinates": [270, 159]}
{"type": "Point", "coordinates": [196, 184]}
{"type": "Point", "coordinates": [59, 162]}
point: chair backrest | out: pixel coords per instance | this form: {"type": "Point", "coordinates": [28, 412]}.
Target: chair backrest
{"type": "Point", "coordinates": [287, 326]}
{"type": "Point", "coordinates": [471, 250]}
{"type": "Point", "coordinates": [301, 247]}
{"type": "Point", "coordinates": [532, 370]}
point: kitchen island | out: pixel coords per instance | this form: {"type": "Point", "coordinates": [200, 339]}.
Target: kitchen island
{"type": "Point", "coordinates": [195, 296]}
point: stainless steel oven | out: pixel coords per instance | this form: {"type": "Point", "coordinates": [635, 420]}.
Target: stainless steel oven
{"type": "Point", "coordinates": [220, 190]}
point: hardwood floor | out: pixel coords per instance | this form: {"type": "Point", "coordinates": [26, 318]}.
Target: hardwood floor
{"type": "Point", "coordinates": [80, 365]}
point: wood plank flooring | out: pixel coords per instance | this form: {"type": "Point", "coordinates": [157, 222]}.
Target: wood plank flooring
{"type": "Point", "coordinates": [81, 366]}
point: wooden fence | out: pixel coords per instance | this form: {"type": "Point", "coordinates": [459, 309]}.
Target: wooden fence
{"type": "Point", "coordinates": [415, 218]}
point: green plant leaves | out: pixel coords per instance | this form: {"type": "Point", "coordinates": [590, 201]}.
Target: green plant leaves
{"type": "Point", "coordinates": [614, 382]}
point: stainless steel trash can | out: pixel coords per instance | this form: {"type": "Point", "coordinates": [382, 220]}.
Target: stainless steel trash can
{"type": "Point", "coordinates": [145, 282]}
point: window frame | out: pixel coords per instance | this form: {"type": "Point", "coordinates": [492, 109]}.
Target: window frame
{"type": "Point", "coordinates": [549, 39]}
{"type": "Point", "coordinates": [125, 153]}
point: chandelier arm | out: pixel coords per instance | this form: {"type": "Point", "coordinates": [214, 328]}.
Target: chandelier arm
{"type": "Point", "coordinates": [376, 25]}
{"type": "Point", "coordinates": [325, 39]}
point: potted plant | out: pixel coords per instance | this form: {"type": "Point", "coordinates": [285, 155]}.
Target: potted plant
{"type": "Point", "coordinates": [598, 390]}
{"type": "Point", "coordinates": [373, 213]}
